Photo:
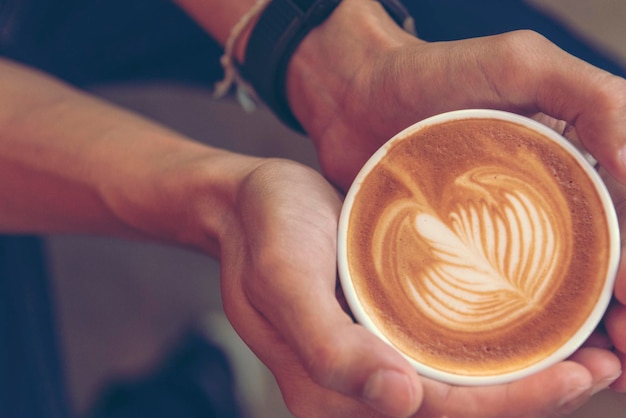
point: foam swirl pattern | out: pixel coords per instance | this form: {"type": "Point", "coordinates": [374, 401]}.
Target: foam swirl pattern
{"type": "Point", "coordinates": [494, 259]}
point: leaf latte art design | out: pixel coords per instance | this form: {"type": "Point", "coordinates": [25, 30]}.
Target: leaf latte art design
{"type": "Point", "coordinates": [491, 258]}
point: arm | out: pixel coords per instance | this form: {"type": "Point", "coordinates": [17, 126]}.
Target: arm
{"type": "Point", "coordinates": [73, 163]}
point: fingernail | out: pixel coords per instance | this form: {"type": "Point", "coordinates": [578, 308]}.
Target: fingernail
{"type": "Point", "coordinates": [575, 399]}
{"type": "Point", "coordinates": [603, 384]}
{"type": "Point", "coordinates": [390, 392]}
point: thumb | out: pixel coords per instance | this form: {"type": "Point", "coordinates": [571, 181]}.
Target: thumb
{"type": "Point", "coordinates": [347, 358]}
{"type": "Point", "coordinates": [340, 355]}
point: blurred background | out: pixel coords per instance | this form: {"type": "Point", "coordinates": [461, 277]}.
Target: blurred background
{"type": "Point", "coordinates": [126, 308]}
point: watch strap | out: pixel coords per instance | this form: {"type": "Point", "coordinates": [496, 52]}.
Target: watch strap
{"type": "Point", "coordinates": [281, 27]}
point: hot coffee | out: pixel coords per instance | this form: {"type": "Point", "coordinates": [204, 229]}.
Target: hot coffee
{"type": "Point", "coordinates": [477, 247]}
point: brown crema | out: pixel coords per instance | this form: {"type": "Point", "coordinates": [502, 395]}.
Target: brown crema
{"type": "Point", "coordinates": [477, 246]}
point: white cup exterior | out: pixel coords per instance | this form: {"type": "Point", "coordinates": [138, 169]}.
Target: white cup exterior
{"type": "Point", "coordinates": [565, 350]}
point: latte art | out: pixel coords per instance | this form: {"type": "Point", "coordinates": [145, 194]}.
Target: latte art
{"type": "Point", "coordinates": [475, 246]}
{"type": "Point", "coordinates": [492, 260]}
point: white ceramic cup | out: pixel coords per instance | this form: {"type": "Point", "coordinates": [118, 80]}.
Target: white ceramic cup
{"type": "Point", "coordinates": [561, 353]}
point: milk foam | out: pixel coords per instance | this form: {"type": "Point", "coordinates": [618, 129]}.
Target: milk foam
{"type": "Point", "coordinates": [475, 246]}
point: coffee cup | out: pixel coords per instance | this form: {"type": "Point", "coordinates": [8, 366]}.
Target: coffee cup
{"type": "Point", "coordinates": [480, 244]}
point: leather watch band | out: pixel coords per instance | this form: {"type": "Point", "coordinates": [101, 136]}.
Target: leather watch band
{"type": "Point", "coordinates": [280, 29]}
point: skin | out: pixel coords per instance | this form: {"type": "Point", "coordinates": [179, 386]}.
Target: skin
{"type": "Point", "coordinates": [615, 321]}
{"type": "Point", "coordinates": [71, 163]}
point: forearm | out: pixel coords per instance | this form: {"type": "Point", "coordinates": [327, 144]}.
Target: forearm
{"type": "Point", "coordinates": [71, 163]}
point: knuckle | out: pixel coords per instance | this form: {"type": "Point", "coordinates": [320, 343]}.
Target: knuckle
{"type": "Point", "coordinates": [611, 94]}
{"type": "Point", "coordinates": [521, 48]}
{"type": "Point", "coordinates": [325, 363]}
{"type": "Point", "coordinates": [525, 40]}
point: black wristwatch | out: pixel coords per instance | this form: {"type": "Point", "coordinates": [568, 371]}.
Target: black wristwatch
{"type": "Point", "coordinates": [280, 29]}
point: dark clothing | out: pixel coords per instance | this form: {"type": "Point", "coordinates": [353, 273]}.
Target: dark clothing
{"type": "Point", "coordinates": [444, 20]}
{"type": "Point", "coordinates": [97, 41]}
{"type": "Point", "coordinates": [87, 42]}
{"type": "Point", "coordinates": [31, 382]}
{"type": "Point", "coordinates": [195, 382]}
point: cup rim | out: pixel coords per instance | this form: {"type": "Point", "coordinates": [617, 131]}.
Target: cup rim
{"type": "Point", "coordinates": [572, 344]}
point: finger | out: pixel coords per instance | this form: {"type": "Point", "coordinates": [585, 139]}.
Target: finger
{"type": "Point", "coordinates": [534, 75]}
{"type": "Point", "coordinates": [560, 388]}
{"type": "Point", "coordinates": [559, 126]}
{"type": "Point", "coordinates": [302, 396]}
{"type": "Point", "coordinates": [620, 280]}
{"type": "Point", "coordinates": [617, 191]}
{"type": "Point", "coordinates": [615, 323]}
{"type": "Point", "coordinates": [599, 339]}
{"type": "Point", "coordinates": [591, 100]}
{"type": "Point", "coordinates": [343, 356]}
{"type": "Point", "coordinates": [619, 385]}
{"type": "Point", "coordinates": [338, 401]}
{"type": "Point", "coordinates": [605, 367]}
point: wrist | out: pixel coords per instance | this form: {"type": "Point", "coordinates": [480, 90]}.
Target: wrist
{"type": "Point", "coordinates": [352, 38]}
{"type": "Point", "coordinates": [184, 197]}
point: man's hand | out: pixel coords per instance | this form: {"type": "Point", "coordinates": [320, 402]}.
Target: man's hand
{"type": "Point", "coordinates": [615, 321]}
{"type": "Point", "coordinates": [280, 293]}
{"type": "Point", "coordinates": [358, 79]}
